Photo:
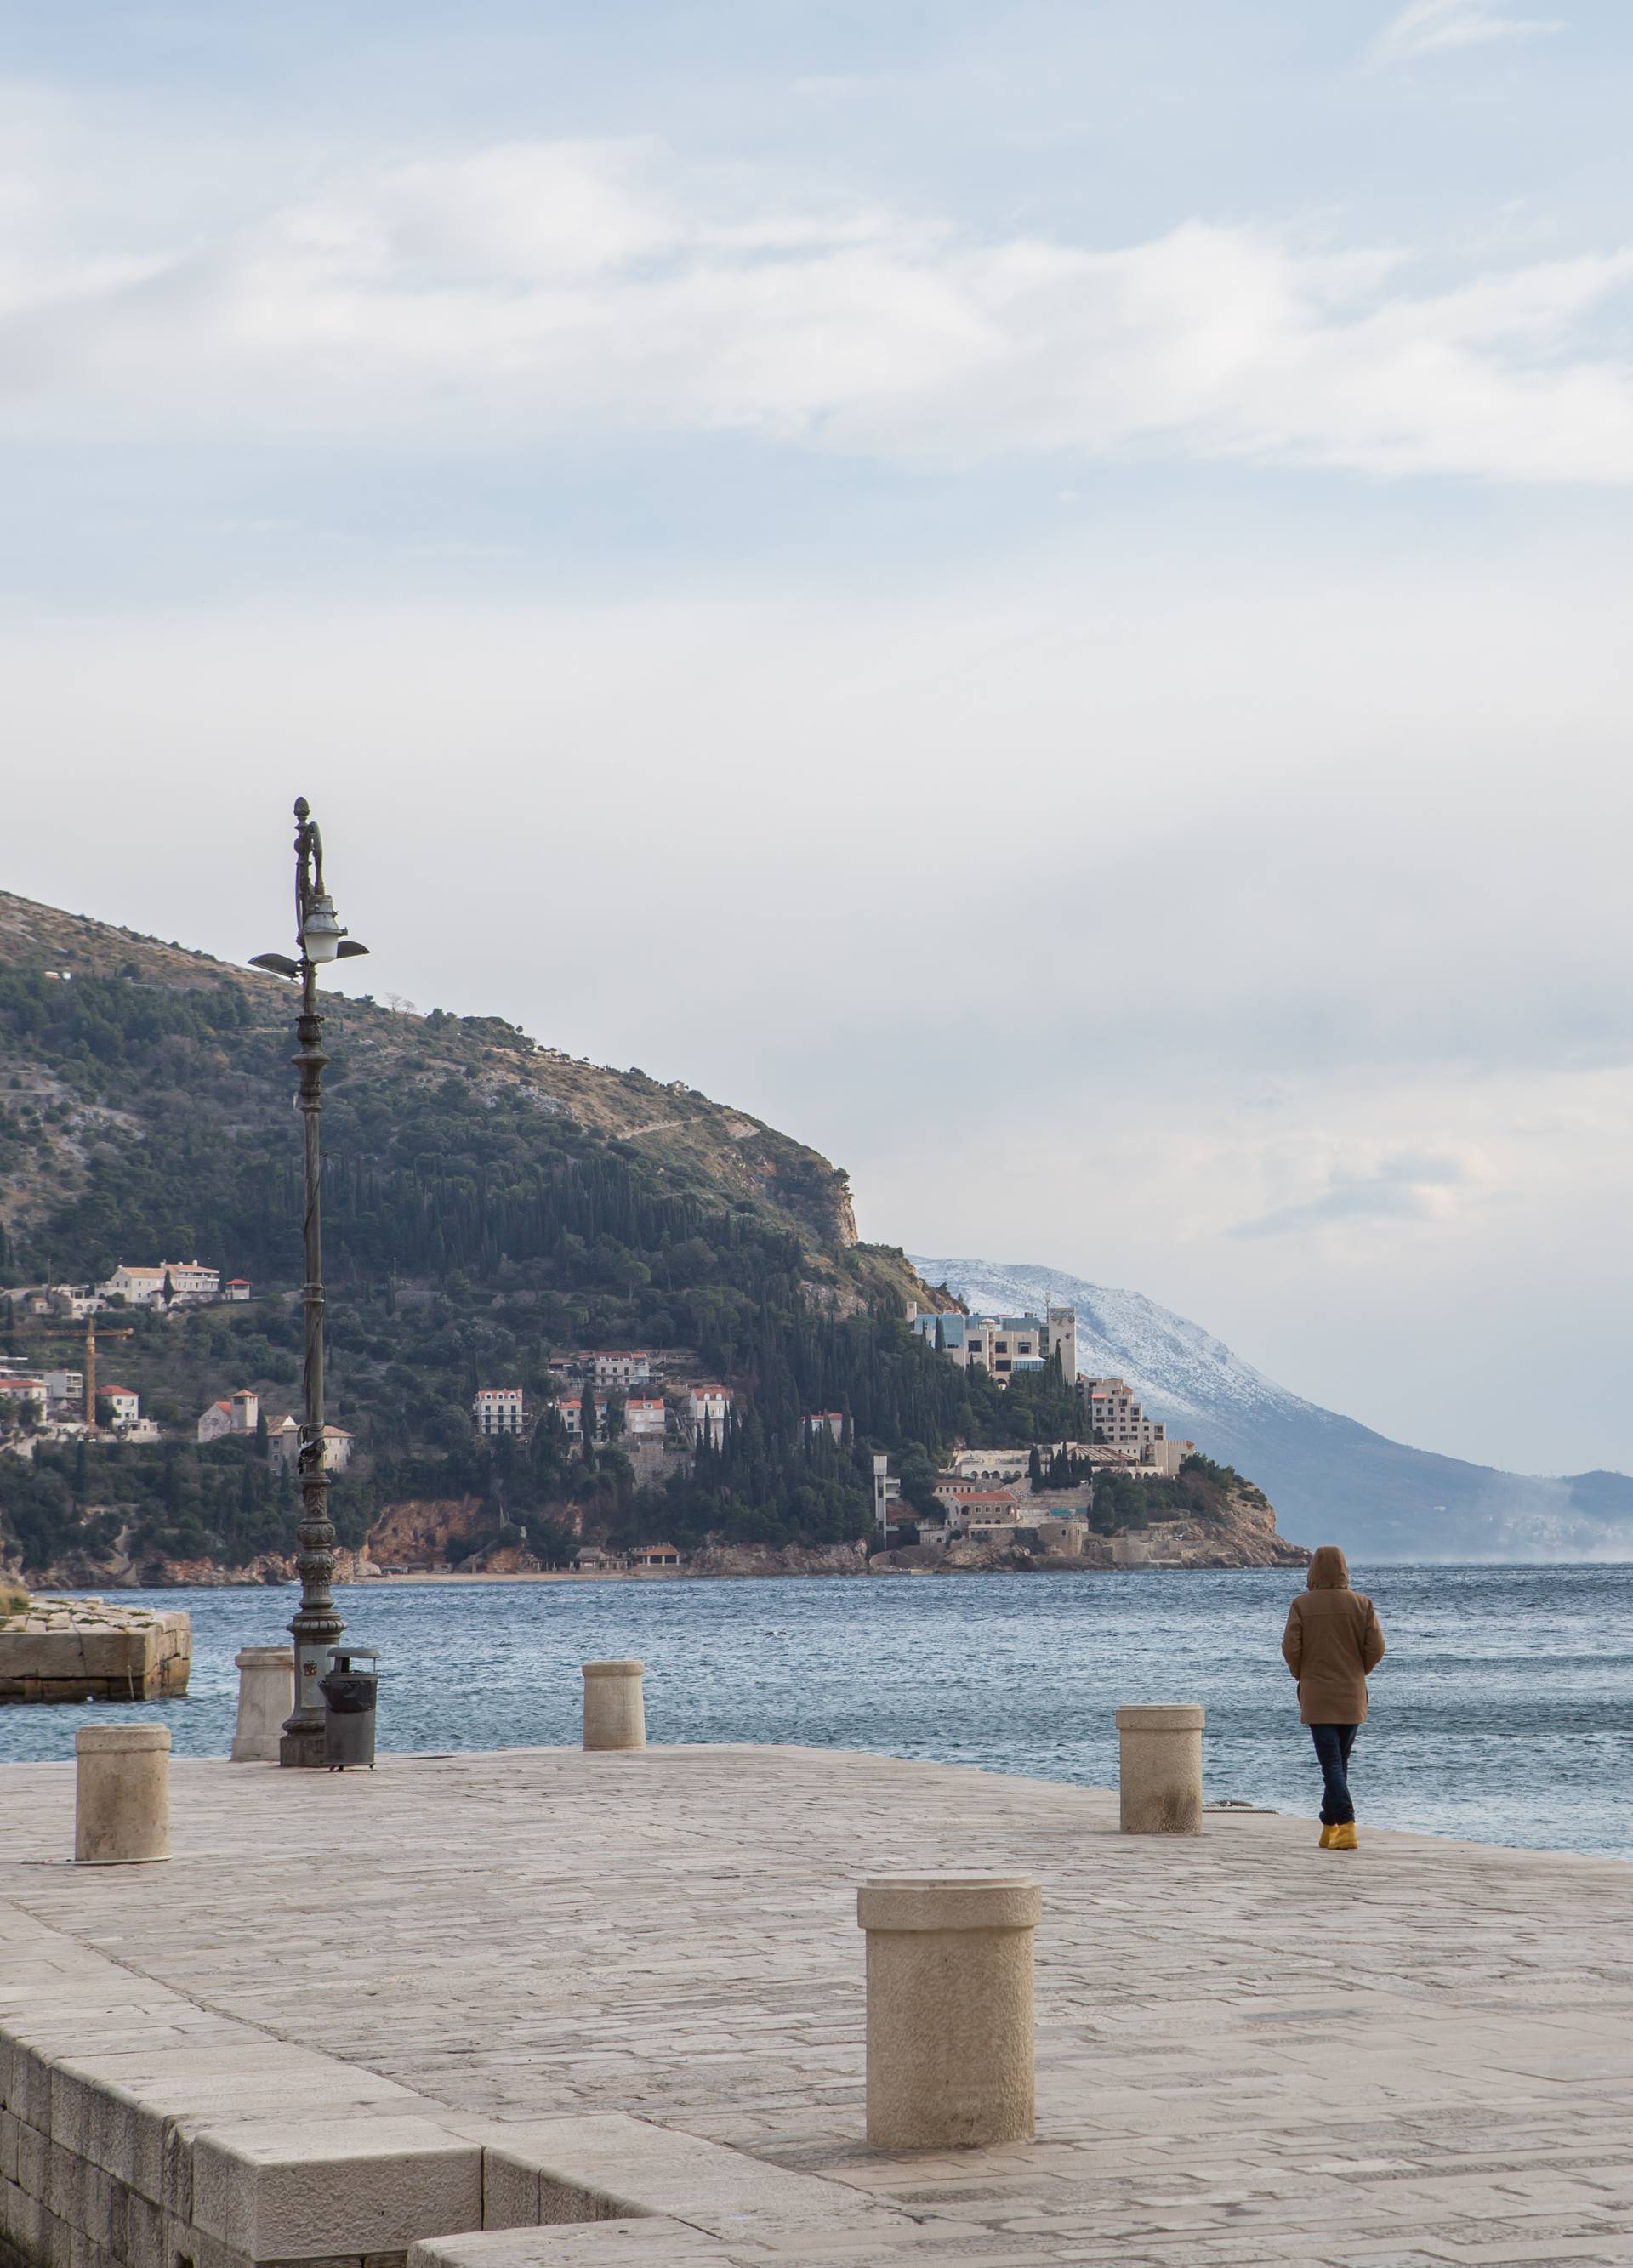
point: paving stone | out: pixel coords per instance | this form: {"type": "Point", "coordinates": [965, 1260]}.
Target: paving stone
{"type": "Point", "coordinates": [1418, 2052]}
{"type": "Point", "coordinates": [643, 2243]}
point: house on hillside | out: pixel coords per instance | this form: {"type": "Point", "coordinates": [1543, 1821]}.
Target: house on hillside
{"type": "Point", "coordinates": [173, 1282]}
{"type": "Point", "coordinates": [76, 1300]}
{"type": "Point", "coordinates": [832, 1421]}
{"type": "Point", "coordinates": [117, 1406]}
{"type": "Point", "coordinates": [1003, 1345]}
{"type": "Point", "coordinates": [1118, 1420]}
{"type": "Point", "coordinates": [958, 1496]}
{"type": "Point", "coordinates": [497, 1410]}
{"type": "Point", "coordinates": [644, 1416]}
{"type": "Point", "coordinates": [239, 1414]}
{"type": "Point", "coordinates": [283, 1446]}
{"type": "Point", "coordinates": [708, 1406]}
{"type": "Point", "coordinates": [237, 1288]}
{"type": "Point", "coordinates": [621, 1370]}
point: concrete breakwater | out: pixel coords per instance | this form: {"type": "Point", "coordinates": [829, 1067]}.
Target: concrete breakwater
{"type": "Point", "coordinates": [86, 1649]}
{"type": "Point", "coordinates": [550, 2007]}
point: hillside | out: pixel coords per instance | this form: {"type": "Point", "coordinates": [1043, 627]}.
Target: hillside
{"type": "Point", "coordinates": [488, 1203]}
{"type": "Point", "coordinates": [102, 1076]}
{"type": "Point", "coordinates": [1329, 1477]}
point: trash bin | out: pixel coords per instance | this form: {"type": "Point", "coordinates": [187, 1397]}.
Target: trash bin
{"type": "Point", "coordinates": [349, 1698]}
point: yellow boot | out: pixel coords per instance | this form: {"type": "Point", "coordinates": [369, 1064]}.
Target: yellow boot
{"type": "Point", "coordinates": [1328, 1834]}
{"type": "Point", "coordinates": [1344, 1838]}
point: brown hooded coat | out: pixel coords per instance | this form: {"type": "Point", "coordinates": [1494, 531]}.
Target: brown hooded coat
{"type": "Point", "coordinates": [1331, 1641]}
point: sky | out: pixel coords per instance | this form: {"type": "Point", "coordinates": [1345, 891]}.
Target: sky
{"type": "Point", "coordinates": [1035, 593]}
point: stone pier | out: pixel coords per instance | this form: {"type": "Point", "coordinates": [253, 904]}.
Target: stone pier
{"type": "Point", "coordinates": [559, 2009]}
{"type": "Point", "coordinates": [93, 1650]}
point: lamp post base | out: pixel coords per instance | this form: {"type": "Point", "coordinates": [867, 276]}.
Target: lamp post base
{"type": "Point", "coordinates": [305, 1749]}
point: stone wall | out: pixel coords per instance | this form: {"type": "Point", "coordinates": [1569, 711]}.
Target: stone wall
{"type": "Point", "coordinates": [85, 1650]}
{"type": "Point", "coordinates": [139, 2130]}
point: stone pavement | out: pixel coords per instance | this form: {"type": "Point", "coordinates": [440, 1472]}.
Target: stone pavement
{"type": "Point", "coordinates": [1249, 2050]}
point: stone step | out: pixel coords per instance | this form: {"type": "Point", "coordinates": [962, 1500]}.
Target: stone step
{"type": "Point", "coordinates": [139, 2129]}
{"type": "Point", "coordinates": [608, 2166]}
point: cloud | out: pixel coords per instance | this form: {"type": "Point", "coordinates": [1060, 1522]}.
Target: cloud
{"type": "Point", "coordinates": [1431, 26]}
{"type": "Point", "coordinates": [531, 292]}
{"type": "Point", "coordinates": [1411, 1186]}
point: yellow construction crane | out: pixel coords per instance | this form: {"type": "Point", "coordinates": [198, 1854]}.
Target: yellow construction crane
{"type": "Point", "coordinates": [123, 1331]}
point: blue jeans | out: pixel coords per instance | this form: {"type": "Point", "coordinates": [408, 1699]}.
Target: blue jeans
{"type": "Point", "coordinates": [1332, 1744]}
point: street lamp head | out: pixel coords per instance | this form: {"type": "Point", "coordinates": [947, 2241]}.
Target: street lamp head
{"type": "Point", "coordinates": [321, 933]}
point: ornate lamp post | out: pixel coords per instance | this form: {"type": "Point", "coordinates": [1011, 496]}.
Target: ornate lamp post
{"type": "Point", "coordinates": [316, 1625]}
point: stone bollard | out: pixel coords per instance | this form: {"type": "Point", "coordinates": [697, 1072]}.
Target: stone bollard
{"type": "Point", "coordinates": [1160, 1768]}
{"type": "Point", "coordinates": [121, 1797]}
{"type": "Point", "coordinates": [614, 1714]}
{"type": "Point", "coordinates": [950, 2009]}
{"type": "Point", "coordinates": [266, 1695]}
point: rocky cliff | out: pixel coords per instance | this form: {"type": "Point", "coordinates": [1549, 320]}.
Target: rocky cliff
{"type": "Point", "coordinates": [1242, 1533]}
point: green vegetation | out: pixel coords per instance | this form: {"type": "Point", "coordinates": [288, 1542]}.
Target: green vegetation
{"type": "Point", "coordinates": [473, 1225]}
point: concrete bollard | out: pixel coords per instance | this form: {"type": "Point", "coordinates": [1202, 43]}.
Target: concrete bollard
{"type": "Point", "coordinates": [950, 2009]}
{"type": "Point", "coordinates": [121, 1795]}
{"type": "Point", "coordinates": [266, 1695]}
{"type": "Point", "coordinates": [1160, 1768]}
{"type": "Point", "coordinates": [614, 1713]}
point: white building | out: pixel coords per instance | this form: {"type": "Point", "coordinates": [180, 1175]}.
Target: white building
{"type": "Point", "coordinates": [1000, 1344]}
{"type": "Point", "coordinates": [1005, 1467]}
{"type": "Point", "coordinates": [239, 1414]}
{"type": "Point", "coordinates": [621, 1370]}
{"type": "Point", "coordinates": [999, 1466]}
{"type": "Point", "coordinates": [122, 1403]}
{"type": "Point", "coordinates": [708, 1406]}
{"type": "Point", "coordinates": [497, 1410]}
{"type": "Point", "coordinates": [76, 1299]}
{"type": "Point", "coordinates": [956, 1492]}
{"type": "Point", "coordinates": [283, 1446]}
{"type": "Point", "coordinates": [644, 1416]}
{"type": "Point", "coordinates": [237, 1287]}
{"type": "Point", "coordinates": [17, 1393]}
{"type": "Point", "coordinates": [886, 1490]}
{"type": "Point", "coordinates": [1116, 1419]}
{"type": "Point", "coordinates": [1003, 1344]}
{"type": "Point", "coordinates": [829, 1421]}
{"type": "Point", "coordinates": [64, 1390]}
{"type": "Point", "coordinates": [190, 1283]}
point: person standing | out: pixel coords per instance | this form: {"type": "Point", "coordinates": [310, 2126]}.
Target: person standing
{"type": "Point", "coordinates": [1331, 1643]}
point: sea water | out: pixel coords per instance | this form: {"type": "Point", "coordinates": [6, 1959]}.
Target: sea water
{"type": "Point", "coordinates": [1503, 1713]}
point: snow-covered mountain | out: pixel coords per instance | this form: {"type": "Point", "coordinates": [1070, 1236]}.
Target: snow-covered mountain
{"type": "Point", "coordinates": [1330, 1479]}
